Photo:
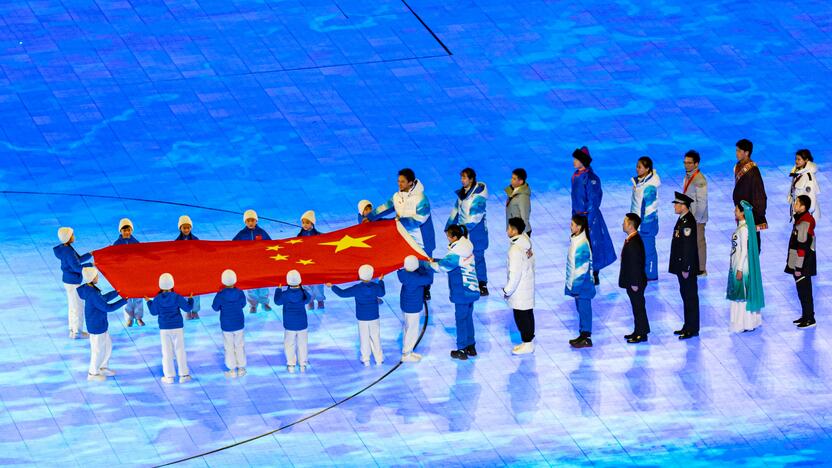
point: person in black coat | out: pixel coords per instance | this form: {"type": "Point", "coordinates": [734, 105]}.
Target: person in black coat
{"type": "Point", "coordinates": [633, 278]}
{"type": "Point", "coordinates": [684, 263]}
{"type": "Point", "coordinates": [749, 186]}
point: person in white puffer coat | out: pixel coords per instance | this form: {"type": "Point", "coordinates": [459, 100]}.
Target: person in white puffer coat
{"type": "Point", "coordinates": [519, 289]}
{"type": "Point", "coordinates": [804, 181]}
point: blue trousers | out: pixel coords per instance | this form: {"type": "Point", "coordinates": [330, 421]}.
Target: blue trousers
{"type": "Point", "coordinates": [464, 325]}
{"type": "Point", "coordinates": [651, 257]}
{"type": "Point", "coordinates": [479, 264]}
{"type": "Point", "coordinates": [584, 307]}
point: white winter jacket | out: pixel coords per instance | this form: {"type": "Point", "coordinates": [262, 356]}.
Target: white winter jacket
{"type": "Point", "coordinates": [519, 289]}
{"type": "Point", "coordinates": [805, 182]}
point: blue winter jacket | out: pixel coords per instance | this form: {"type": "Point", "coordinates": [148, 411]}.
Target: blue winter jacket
{"type": "Point", "coordinates": [470, 210]}
{"type": "Point", "coordinates": [71, 263]}
{"type": "Point", "coordinates": [579, 281]}
{"type": "Point", "coordinates": [462, 273]}
{"type": "Point", "coordinates": [123, 241]}
{"type": "Point", "coordinates": [96, 307]}
{"type": "Point", "coordinates": [311, 232]}
{"type": "Point", "coordinates": [169, 305]}
{"type": "Point", "coordinates": [366, 296]}
{"type": "Point", "coordinates": [294, 302]}
{"type": "Point", "coordinates": [586, 200]}
{"type": "Point", "coordinates": [252, 234]}
{"type": "Point", "coordinates": [230, 303]}
{"type": "Point", "coordinates": [413, 288]}
{"type": "Point", "coordinates": [190, 236]}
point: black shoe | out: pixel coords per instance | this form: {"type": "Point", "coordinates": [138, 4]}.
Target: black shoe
{"type": "Point", "coordinates": [483, 288]}
{"type": "Point", "coordinates": [585, 342]}
{"type": "Point", "coordinates": [459, 354]}
{"type": "Point", "coordinates": [807, 324]}
{"type": "Point", "coordinates": [798, 321]}
{"type": "Point", "coordinates": [575, 340]}
{"type": "Point", "coordinates": [470, 350]}
{"type": "Point", "coordinates": [427, 294]}
{"type": "Point", "coordinates": [637, 339]}
{"type": "Point", "coordinates": [679, 332]}
{"type": "Point", "coordinates": [686, 335]}
{"type": "Point", "coordinates": [596, 278]}
{"type": "Point", "coordinates": [627, 337]}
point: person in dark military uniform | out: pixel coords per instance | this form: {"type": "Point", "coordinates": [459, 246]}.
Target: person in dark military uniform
{"type": "Point", "coordinates": [684, 263]}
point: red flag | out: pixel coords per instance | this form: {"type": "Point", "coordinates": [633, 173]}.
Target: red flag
{"type": "Point", "coordinates": [134, 269]}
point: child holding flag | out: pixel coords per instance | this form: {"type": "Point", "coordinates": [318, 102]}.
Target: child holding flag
{"type": "Point", "coordinates": [295, 323]}
{"type": "Point", "coordinates": [229, 302]}
{"type": "Point", "coordinates": [316, 291]}
{"type": "Point", "coordinates": [186, 233]}
{"type": "Point", "coordinates": [169, 305]}
{"type": "Point", "coordinates": [135, 307]}
{"type": "Point", "coordinates": [366, 294]}
{"type": "Point", "coordinates": [254, 232]}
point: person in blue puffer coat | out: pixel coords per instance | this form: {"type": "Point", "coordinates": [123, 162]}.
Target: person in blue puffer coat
{"type": "Point", "coordinates": [579, 282]}
{"type": "Point", "coordinates": [586, 201]}
{"type": "Point", "coordinates": [229, 302]}
{"type": "Point", "coordinates": [645, 203]}
{"type": "Point", "coordinates": [135, 306]}
{"type": "Point", "coordinates": [168, 306]}
{"type": "Point", "coordinates": [71, 266]}
{"type": "Point", "coordinates": [464, 289]}
{"type": "Point", "coordinates": [186, 233]}
{"type": "Point", "coordinates": [470, 211]}
{"type": "Point", "coordinates": [295, 323]}
{"type": "Point", "coordinates": [254, 232]}
{"type": "Point", "coordinates": [96, 307]}
{"type": "Point", "coordinates": [366, 294]}
{"type": "Point", "coordinates": [414, 278]}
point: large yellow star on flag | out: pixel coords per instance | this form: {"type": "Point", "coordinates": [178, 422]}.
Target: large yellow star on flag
{"type": "Point", "coordinates": [348, 242]}
{"type": "Point", "coordinates": [274, 247]}
{"type": "Point", "coordinates": [294, 241]}
{"type": "Point", "coordinates": [279, 257]}
{"type": "Point", "coordinates": [306, 262]}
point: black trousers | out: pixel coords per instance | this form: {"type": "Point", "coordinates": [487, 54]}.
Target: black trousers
{"type": "Point", "coordinates": [525, 323]}
{"type": "Point", "coordinates": [642, 325]}
{"type": "Point", "coordinates": [759, 243]}
{"type": "Point", "coordinates": [804, 292]}
{"type": "Point", "coordinates": [689, 290]}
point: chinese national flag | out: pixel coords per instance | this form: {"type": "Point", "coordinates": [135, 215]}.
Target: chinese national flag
{"type": "Point", "coordinates": [134, 269]}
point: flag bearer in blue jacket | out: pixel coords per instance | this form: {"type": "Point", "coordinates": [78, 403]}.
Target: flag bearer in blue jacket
{"type": "Point", "coordinates": [366, 294]}
{"type": "Point", "coordinates": [229, 302]}
{"type": "Point", "coordinates": [586, 201]}
{"type": "Point", "coordinates": [254, 232]}
{"type": "Point", "coordinates": [135, 307]}
{"type": "Point", "coordinates": [96, 307]}
{"type": "Point", "coordinates": [461, 267]}
{"type": "Point", "coordinates": [169, 305]}
{"type": "Point", "coordinates": [469, 211]}
{"type": "Point", "coordinates": [579, 282]}
{"type": "Point", "coordinates": [186, 227]}
{"type": "Point", "coordinates": [71, 265]}
{"type": "Point", "coordinates": [295, 322]}
{"type": "Point", "coordinates": [316, 291]}
{"type": "Point", "coordinates": [414, 278]}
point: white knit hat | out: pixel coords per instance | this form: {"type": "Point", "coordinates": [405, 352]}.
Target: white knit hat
{"type": "Point", "coordinates": [88, 274]}
{"type": "Point", "coordinates": [185, 219]}
{"type": "Point", "coordinates": [229, 278]}
{"type": "Point", "coordinates": [363, 204]}
{"type": "Point", "coordinates": [411, 263]}
{"type": "Point", "coordinates": [125, 222]}
{"type": "Point", "coordinates": [250, 214]}
{"type": "Point", "coordinates": [65, 234]}
{"type": "Point", "coordinates": [309, 215]}
{"type": "Point", "coordinates": [365, 273]}
{"type": "Point", "coordinates": [293, 278]}
{"type": "Point", "coordinates": [166, 281]}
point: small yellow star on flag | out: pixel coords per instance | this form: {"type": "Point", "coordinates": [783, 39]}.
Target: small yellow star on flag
{"type": "Point", "coordinates": [274, 247]}
{"type": "Point", "coordinates": [279, 257]}
{"type": "Point", "coordinates": [294, 241]}
{"type": "Point", "coordinates": [306, 262]}
{"type": "Point", "coordinates": [347, 242]}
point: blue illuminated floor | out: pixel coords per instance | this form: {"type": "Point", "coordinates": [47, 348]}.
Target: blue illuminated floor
{"type": "Point", "coordinates": [287, 106]}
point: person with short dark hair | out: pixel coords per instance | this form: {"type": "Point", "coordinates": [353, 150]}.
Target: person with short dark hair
{"type": "Point", "coordinates": [801, 262]}
{"type": "Point", "coordinates": [519, 195]}
{"type": "Point", "coordinates": [586, 201]}
{"type": "Point", "coordinates": [684, 263]}
{"type": "Point", "coordinates": [804, 181]}
{"type": "Point", "coordinates": [519, 289]}
{"type": "Point", "coordinates": [469, 209]}
{"type": "Point", "coordinates": [633, 278]}
{"type": "Point", "coordinates": [645, 203]}
{"type": "Point", "coordinates": [696, 187]}
{"type": "Point", "coordinates": [749, 185]}
{"type": "Point", "coordinates": [579, 282]}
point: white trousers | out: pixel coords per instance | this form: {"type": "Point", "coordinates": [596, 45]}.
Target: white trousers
{"type": "Point", "coordinates": [235, 349]}
{"type": "Point", "coordinates": [411, 331]}
{"type": "Point", "coordinates": [76, 308]}
{"type": "Point", "coordinates": [369, 333]}
{"type": "Point", "coordinates": [301, 339]}
{"type": "Point", "coordinates": [173, 343]}
{"type": "Point", "coordinates": [101, 347]}
{"type": "Point", "coordinates": [134, 309]}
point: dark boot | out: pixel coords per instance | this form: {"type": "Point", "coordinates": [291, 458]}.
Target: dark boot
{"type": "Point", "coordinates": [483, 288]}
{"type": "Point", "coordinates": [471, 350]}
{"type": "Point", "coordinates": [596, 278]}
